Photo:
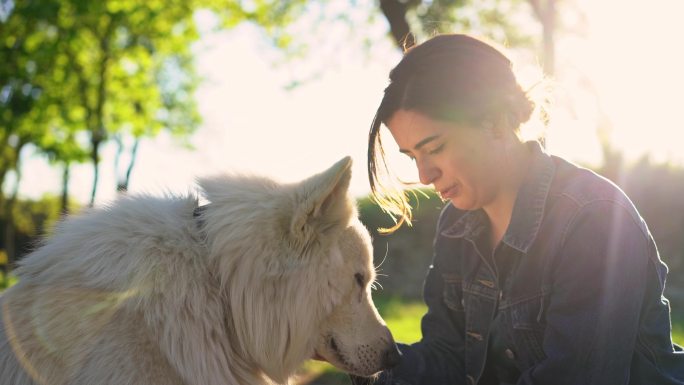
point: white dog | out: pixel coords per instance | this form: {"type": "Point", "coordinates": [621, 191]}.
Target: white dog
{"type": "Point", "coordinates": [243, 292]}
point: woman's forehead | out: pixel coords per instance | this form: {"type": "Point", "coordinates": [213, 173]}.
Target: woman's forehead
{"type": "Point", "coordinates": [413, 121]}
{"type": "Point", "coordinates": [413, 131]}
{"type": "Point", "coordinates": [412, 128]}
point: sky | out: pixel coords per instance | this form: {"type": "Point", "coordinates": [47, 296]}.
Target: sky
{"type": "Point", "coordinates": [253, 123]}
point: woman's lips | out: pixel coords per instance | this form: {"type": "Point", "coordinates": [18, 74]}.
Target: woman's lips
{"type": "Point", "coordinates": [449, 192]}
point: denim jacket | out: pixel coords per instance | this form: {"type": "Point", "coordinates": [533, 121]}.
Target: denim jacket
{"type": "Point", "coordinates": [584, 306]}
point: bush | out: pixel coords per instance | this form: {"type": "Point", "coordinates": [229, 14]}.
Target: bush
{"type": "Point", "coordinates": [403, 257]}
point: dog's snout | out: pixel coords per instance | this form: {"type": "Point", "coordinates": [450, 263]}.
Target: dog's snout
{"type": "Point", "coordinates": [391, 357]}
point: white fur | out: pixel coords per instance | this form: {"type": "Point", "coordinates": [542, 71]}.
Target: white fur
{"type": "Point", "coordinates": [141, 292]}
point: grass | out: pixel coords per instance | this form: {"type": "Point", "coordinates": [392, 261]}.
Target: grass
{"type": "Point", "coordinates": [678, 329]}
{"type": "Point", "coordinates": [402, 318]}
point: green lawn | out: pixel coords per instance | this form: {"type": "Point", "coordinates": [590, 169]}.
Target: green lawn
{"type": "Point", "coordinates": [678, 331]}
{"type": "Point", "coordinates": [403, 319]}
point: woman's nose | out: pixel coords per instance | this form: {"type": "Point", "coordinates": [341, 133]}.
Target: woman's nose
{"type": "Point", "coordinates": [427, 172]}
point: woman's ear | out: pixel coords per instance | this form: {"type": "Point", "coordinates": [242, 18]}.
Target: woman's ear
{"type": "Point", "coordinates": [501, 126]}
{"type": "Point", "coordinates": [494, 126]}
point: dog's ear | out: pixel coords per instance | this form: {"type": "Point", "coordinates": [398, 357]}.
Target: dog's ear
{"type": "Point", "coordinates": [322, 201]}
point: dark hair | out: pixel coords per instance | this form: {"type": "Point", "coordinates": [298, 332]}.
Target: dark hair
{"type": "Point", "coordinates": [451, 77]}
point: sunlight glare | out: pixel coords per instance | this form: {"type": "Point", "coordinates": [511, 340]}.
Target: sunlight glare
{"type": "Point", "coordinates": [633, 58]}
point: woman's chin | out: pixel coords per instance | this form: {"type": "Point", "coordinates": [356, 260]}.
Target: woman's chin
{"type": "Point", "coordinates": [463, 204]}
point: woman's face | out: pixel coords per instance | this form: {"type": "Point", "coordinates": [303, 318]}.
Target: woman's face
{"type": "Point", "coordinates": [464, 164]}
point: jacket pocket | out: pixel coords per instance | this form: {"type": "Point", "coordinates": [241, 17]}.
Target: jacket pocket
{"type": "Point", "coordinates": [453, 292]}
{"type": "Point", "coordinates": [527, 319]}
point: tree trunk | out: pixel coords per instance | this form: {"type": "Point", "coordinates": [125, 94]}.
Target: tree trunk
{"type": "Point", "coordinates": [545, 11]}
{"type": "Point", "coordinates": [10, 230]}
{"type": "Point", "coordinates": [99, 133]}
{"type": "Point", "coordinates": [10, 241]}
{"type": "Point", "coordinates": [123, 183]}
{"type": "Point", "coordinates": [95, 114]}
{"type": "Point", "coordinates": [7, 163]}
{"type": "Point", "coordinates": [95, 158]}
{"type": "Point", "coordinates": [549, 25]}
{"type": "Point", "coordinates": [3, 173]}
{"type": "Point", "coordinates": [65, 189]}
{"type": "Point", "coordinates": [395, 13]}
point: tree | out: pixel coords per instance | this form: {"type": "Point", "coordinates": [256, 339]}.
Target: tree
{"type": "Point", "coordinates": [76, 74]}
{"type": "Point", "coordinates": [409, 19]}
{"type": "Point", "coordinates": [545, 11]}
{"type": "Point", "coordinates": [116, 68]}
{"type": "Point", "coordinates": [117, 52]}
{"type": "Point", "coordinates": [27, 50]}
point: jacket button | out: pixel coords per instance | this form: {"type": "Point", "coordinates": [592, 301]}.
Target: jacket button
{"type": "Point", "coordinates": [476, 336]}
{"type": "Point", "coordinates": [509, 353]}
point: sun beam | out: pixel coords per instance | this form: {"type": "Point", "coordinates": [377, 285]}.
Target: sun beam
{"type": "Point", "coordinates": [631, 60]}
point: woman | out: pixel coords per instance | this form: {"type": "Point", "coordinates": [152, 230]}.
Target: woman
{"type": "Point", "coordinates": [544, 273]}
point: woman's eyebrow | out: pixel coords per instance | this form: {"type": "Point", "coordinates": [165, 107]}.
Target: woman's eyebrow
{"type": "Point", "coordinates": [421, 143]}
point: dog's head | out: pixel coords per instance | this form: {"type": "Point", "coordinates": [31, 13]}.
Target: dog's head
{"type": "Point", "coordinates": [296, 267]}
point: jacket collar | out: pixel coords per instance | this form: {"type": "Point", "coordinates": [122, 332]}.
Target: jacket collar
{"type": "Point", "coordinates": [528, 209]}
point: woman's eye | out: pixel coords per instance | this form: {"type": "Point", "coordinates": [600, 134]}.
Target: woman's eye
{"type": "Point", "coordinates": [437, 149]}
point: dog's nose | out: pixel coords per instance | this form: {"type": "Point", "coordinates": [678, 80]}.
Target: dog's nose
{"type": "Point", "coordinates": [391, 357]}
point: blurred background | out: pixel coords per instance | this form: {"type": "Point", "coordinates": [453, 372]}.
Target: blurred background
{"type": "Point", "coordinates": [103, 97]}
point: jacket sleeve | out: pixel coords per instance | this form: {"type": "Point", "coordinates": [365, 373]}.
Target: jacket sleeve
{"type": "Point", "coordinates": [437, 359]}
{"type": "Point", "coordinates": [597, 289]}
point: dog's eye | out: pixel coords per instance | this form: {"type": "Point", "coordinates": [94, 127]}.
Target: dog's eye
{"type": "Point", "coordinates": [359, 279]}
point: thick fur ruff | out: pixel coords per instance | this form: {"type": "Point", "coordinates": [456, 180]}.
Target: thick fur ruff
{"type": "Point", "coordinates": [142, 292]}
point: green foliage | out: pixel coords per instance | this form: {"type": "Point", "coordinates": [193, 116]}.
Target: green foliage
{"type": "Point", "coordinates": [36, 218]}
{"type": "Point", "coordinates": [77, 73]}
{"type": "Point", "coordinates": [403, 256]}
{"type": "Point", "coordinates": [6, 279]}
{"type": "Point", "coordinates": [656, 191]}
{"type": "Point", "coordinates": [32, 220]}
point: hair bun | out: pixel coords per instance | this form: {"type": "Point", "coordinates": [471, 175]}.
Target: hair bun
{"type": "Point", "coordinates": [524, 107]}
